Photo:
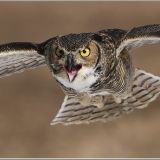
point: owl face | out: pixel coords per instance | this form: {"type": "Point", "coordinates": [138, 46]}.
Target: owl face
{"type": "Point", "coordinates": [74, 59]}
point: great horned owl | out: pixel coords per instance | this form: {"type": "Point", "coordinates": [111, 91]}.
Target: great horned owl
{"type": "Point", "coordinates": [94, 70]}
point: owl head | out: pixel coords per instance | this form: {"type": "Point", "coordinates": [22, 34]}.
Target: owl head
{"type": "Point", "coordinates": [76, 59]}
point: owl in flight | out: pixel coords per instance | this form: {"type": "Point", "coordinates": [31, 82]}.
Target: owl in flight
{"type": "Point", "coordinates": [94, 70]}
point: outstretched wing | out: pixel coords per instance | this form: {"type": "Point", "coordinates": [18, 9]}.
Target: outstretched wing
{"type": "Point", "coordinates": [145, 89]}
{"type": "Point", "coordinates": [139, 36]}
{"type": "Point", "coordinates": [19, 56]}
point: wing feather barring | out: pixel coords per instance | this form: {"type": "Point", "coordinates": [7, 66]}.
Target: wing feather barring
{"type": "Point", "coordinates": [94, 70]}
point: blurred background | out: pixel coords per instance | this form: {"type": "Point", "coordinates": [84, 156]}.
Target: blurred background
{"type": "Point", "coordinates": [29, 101]}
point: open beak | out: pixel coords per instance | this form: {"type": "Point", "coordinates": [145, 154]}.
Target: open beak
{"type": "Point", "coordinates": [72, 75]}
{"type": "Point", "coordinates": [71, 67]}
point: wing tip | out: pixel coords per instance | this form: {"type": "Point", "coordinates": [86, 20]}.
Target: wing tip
{"type": "Point", "coordinates": [56, 121]}
{"type": "Point", "coordinates": [65, 123]}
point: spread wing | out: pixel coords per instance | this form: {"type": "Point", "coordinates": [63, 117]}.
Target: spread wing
{"type": "Point", "coordinates": [145, 89]}
{"type": "Point", "coordinates": [19, 56]}
{"type": "Point", "coordinates": [139, 36]}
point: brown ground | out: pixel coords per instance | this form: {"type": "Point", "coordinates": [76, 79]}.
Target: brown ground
{"type": "Point", "coordinates": [29, 101]}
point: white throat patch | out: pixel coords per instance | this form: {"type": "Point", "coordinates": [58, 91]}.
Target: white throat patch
{"type": "Point", "coordinates": [84, 79]}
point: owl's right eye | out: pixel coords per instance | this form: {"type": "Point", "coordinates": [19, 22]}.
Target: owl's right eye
{"type": "Point", "coordinates": [59, 53]}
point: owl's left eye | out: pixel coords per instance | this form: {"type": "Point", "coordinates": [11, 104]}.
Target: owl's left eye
{"type": "Point", "coordinates": [59, 52]}
{"type": "Point", "coordinates": [85, 52]}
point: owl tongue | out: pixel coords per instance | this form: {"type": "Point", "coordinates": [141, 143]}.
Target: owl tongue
{"type": "Point", "coordinates": [72, 71]}
{"type": "Point", "coordinates": [71, 75]}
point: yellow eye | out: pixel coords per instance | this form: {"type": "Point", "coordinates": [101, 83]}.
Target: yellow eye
{"type": "Point", "coordinates": [85, 52]}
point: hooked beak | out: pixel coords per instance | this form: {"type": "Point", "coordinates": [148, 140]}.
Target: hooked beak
{"type": "Point", "coordinates": [71, 67]}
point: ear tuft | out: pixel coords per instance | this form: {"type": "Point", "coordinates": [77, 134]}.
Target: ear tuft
{"type": "Point", "coordinates": [97, 38]}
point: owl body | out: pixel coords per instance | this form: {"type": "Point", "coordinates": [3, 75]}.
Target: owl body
{"type": "Point", "coordinates": [94, 70]}
{"type": "Point", "coordinates": [103, 74]}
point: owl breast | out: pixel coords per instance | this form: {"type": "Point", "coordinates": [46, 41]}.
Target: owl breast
{"type": "Point", "coordinates": [84, 79]}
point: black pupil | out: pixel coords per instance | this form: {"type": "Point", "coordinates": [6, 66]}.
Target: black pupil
{"type": "Point", "coordinates": [61, 52]}
{"type": "Point", "coordinates": [84, 51]}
